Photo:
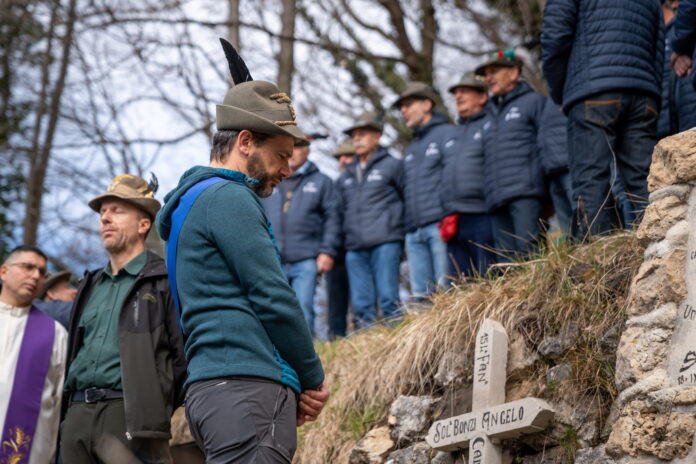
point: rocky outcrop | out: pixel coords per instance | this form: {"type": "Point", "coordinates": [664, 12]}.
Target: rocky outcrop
{"type": "Point", "coordinates": [654, 417]}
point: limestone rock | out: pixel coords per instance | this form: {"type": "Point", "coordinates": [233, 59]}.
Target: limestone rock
{"type": "Point", "coordinates": [418, 453]}
{"type": "Point", "coordinates": [659, 217]}
{"type": "Point", "coordinates": [596, 455]}
{"type": "Point", "coordinates": [658, 380]}
{"type": "Point", "coordinates": [555, 346]}
{"type": "Point", "coordinates": [559, 373]}
{"type": "Point", "coordinates": [643, 430]}
{"type": "Point", "coordinates": [685, 396]}
{"type": "Point", "coordinates": [610, 339]}
{"type": "Point", "coordinates": [663, 317]}
{"type": "Point", "coordinates": [641, 350]}
{"type": "Point", "coordinates": [409, 417]}
{"type": "Point", "coordinates": [658, 281]}
{"type": "Point", "coordinates": [445, 458]}
{"type": "Point", "coordinates": [181, 434]}
{"type": "Point", "coordinates": [451, 369]}
{"type": "Point", "coordinates": [520, 356]}
{"type": "Point", "coordinates": [548, 456]}
{"type": "Point", "coordinates": [674, 161]}
{"type": "Point", "coordinates": [373, 447]}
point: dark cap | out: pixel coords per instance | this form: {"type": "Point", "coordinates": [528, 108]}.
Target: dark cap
{"type": "Point", "coordinates": [471, 80]}
{"type": "Point", "coordinates": [501, 58]}
{"type": "Point", "coordinates": [367, 120]}
{"type": "Point", "coordinates": [52, 280]}
{"type": "Point", "coordinates": [417, 90]}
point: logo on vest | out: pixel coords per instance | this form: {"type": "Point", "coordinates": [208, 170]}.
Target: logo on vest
{"type": "Point", "coordinates": [348, 181]}
{"type": "Point", "coordinates": [432, 150]}
{"type": "Point", "coordinates": [478, 135]}
{"type": "Point", "coordinates": [374, 176]}
{"type": "Point", "coordinates": [514, 113]}
{"type": "Point", "coordinates": [408, 157]}
{"type": "Point", "coordinates": [487, 125]}
{"type": "Point", "coordinates": [311, 187]}
{"type": "Point", "coordinates": [449, 143]}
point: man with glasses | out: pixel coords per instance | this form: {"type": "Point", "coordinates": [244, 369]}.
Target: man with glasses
{"type": "Point", "coordinates": [32, 362]}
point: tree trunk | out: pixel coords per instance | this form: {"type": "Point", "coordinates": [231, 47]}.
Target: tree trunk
{"type": "Point", "coordinates": [41, 152]}
{"type": "Point", "coordinates": [286, 61]}
{"type": "Point", "coordinates": [233, 23]}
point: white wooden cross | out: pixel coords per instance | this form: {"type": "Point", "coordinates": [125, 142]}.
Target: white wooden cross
{"type": "Point", "coordinates": [491, 419]}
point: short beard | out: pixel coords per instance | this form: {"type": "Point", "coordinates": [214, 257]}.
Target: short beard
{"type": "Point", "coordinates": [257, 171]}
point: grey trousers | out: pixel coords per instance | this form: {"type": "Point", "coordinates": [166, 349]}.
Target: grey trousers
{"type": "Point", "coordinates": [243, 420]}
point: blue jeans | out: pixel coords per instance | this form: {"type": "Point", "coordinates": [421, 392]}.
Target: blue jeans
{"type": "Point", "coordinates": [517, 226]}
{"type": "Point", "coordinates": [471, 249]}
{"type": "Point", "coordinates": [374, 274]}
{"type": "Point", "coordinates": [427, 259]}
{"type": "Point", "coordinates": [302, 276]}
{"type": "Point", "coordinates": [561, 192]}
{"type": "Point", "coordinates": [618, 126]}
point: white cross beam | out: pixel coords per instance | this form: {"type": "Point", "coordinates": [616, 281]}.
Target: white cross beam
{"type": "Point", "coordinates": [491, 419]}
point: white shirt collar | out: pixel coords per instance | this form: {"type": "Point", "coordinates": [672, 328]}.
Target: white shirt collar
{"type": "Point", "coordinates": [14, 310]}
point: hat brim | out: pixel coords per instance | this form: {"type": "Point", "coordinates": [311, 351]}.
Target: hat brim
{"type": "Point", "coordinates": [373, 127]}
{"type": "Point", "coordinates": [148, 205]}
{"type": "Point", "coordinates": [417, 95]}
{"type": "Point", "coordinates": [234, 118]}
{"type": "Point", "coordinates": [466, 85]}
{"type": "Point", "coordinates": [52, 280]}
{"type": "Point", "coordinates": [480, 71]}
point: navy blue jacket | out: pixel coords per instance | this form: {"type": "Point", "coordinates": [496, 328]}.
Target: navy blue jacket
{"type": "Point", "coordinates": [684, 40]}
{"type": "Point", "coordinates": [462, 174]}
{"type": "Point", "coordinates": [511, 167]}
{"type": "Point", "coordinates": [593, 46]}
{"type": "Point", "coordinates": [685, 28]}
{"type": "Point", "coordinates": [553, 139]}
{"type": "Point", "coordinates": [667, 123]}
{"type": "Point", "coordinates": [312, 224]}
{"type": "Point", "coordinates": [373, 209]}
{"type": "Point", "coordinates": [685, 100]}
{"type": "Point", "coordinates": [423, 172]}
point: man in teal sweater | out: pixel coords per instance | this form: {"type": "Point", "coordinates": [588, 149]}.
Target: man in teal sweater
{"type": "Point", "coordinates": [253, 372]}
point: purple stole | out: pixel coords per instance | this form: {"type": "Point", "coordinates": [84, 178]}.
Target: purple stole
{"type": "Point", "coordinates": [27, 387]}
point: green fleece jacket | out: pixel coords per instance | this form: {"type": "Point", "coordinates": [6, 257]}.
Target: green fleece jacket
{"type": "Point", "coordinates": [240, 315]}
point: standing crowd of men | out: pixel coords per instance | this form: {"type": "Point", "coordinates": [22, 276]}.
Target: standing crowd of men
{"type": "Point", "coordinates": [228, 324]}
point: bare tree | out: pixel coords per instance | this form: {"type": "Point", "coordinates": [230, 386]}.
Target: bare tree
{"type": "Point", "coordinates": [286, 55]}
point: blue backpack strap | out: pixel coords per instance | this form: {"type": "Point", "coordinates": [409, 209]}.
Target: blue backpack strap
{"type": "Point", "coordinates": [178, 218]}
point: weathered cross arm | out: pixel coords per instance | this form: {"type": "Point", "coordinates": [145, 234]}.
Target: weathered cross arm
{"type": "Point", "coordinates": [508, 420]}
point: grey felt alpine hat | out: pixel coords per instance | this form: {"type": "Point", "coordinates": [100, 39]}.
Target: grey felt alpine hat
{"type": "Point", "coordinates": [417, 90]}
{"type": "Point", "coordinates": [132, 189]}
{"type": "Point", "coordinates": [367, 120]}
{"type": "Point", "coordinates": [346, 147]}
{"type": "Point", "coordinates": [500, 58]}
{"type": "Point", "coordinates": [471, 80]}
{"type": "Point", "coordinates": [259, 106]}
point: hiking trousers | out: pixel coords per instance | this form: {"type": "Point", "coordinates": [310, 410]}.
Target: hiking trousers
{"type": "Point", "coordinates": [243, 420]}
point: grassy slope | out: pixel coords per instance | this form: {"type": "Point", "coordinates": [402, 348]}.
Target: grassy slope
{"type": "Point", "coordinates": [368, 370]}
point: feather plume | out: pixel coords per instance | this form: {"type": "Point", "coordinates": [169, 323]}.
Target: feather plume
{"type": "Point", "coordinates": [238, 68]}
{"type": "Point", "coordinates": [154, 183]}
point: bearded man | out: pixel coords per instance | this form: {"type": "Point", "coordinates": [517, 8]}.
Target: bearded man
{"type": "Point", "coordinates": [253, 373]}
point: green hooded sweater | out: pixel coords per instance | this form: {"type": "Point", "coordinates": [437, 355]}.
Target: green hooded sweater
{"type": "Point", "coordinates": [240, 315]}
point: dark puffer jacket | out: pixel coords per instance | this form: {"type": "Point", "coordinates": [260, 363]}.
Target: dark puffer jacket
{"type": "Point", "coordinates": [553, 139]}
{"type": "Point", "coordinates": [153, 367]}
{"type": "Point", "coordinates": [423, 161]}
{"type": "Point", "coordinates": [593, 46]}
{"type": "Point", "coordinates": [668, 123]}
{"type": "Point", "coordinates": [462, 174]}
{"type": "Point", "coordinates": [512, 168]}
{"type": "Point", "coordinates": [373, 210]}
{"type": "Point", "coordinates": [312, 224]}
{"type": "Point", "coordinates": [684, 40]}
{"type": "Point", "coordinates": [685, 100]}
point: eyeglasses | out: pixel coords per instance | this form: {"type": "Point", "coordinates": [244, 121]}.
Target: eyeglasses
{"type": "Point", "coordinates": [29, 268]}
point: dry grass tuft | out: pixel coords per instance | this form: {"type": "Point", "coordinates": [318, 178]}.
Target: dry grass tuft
{"type": "Point", "coordinates": [367, 371]}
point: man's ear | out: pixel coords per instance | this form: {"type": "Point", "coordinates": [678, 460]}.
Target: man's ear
{"type": "Point", "coordinates": [245, 140]}
{"type": "Point", "coordinates": [144, 226]}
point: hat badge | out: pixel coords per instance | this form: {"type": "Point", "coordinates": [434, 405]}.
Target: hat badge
{"type": "Point", "coordinates": [282, 97]}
